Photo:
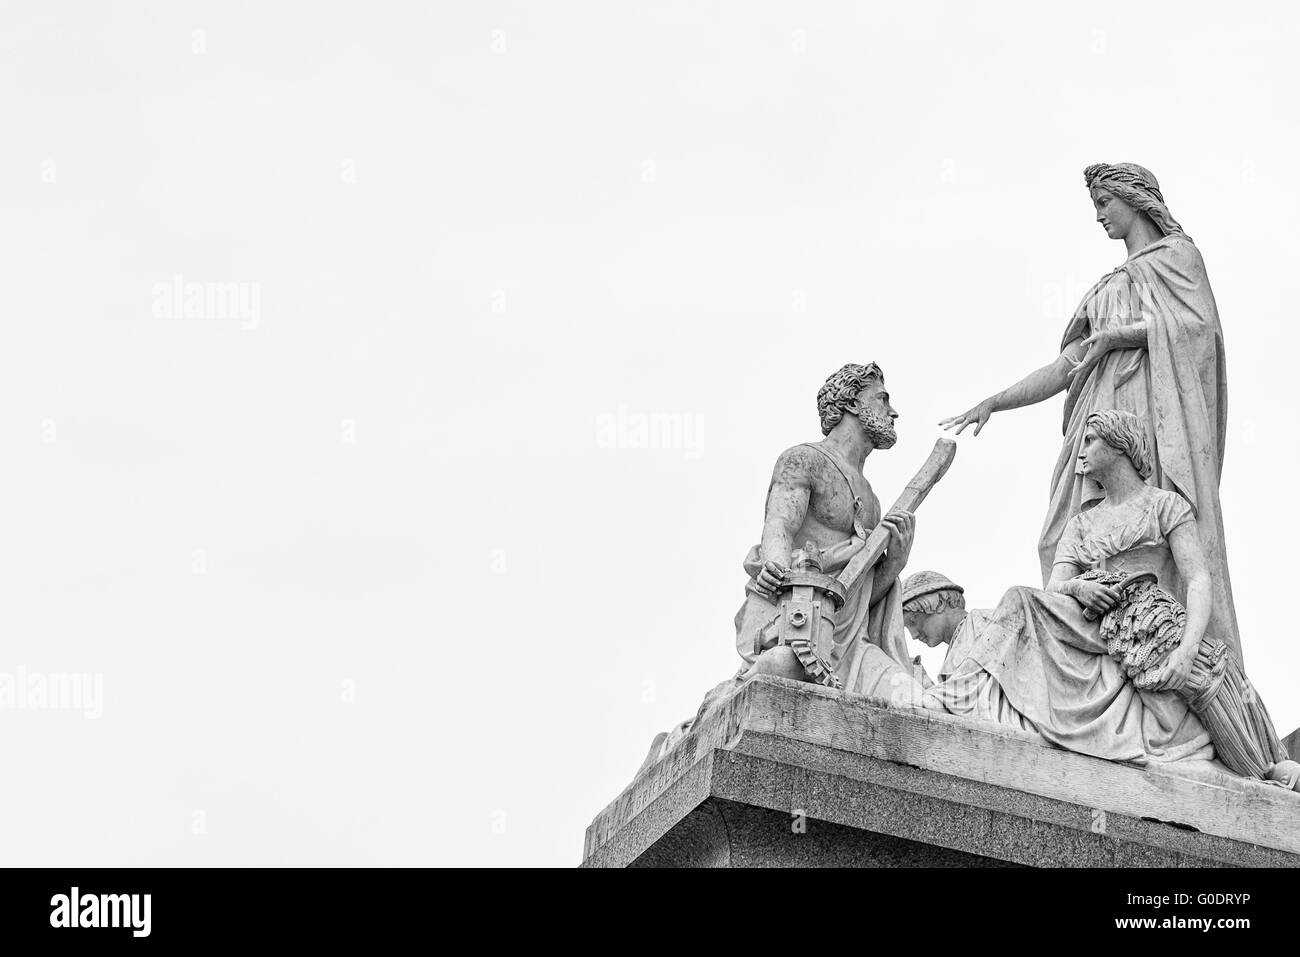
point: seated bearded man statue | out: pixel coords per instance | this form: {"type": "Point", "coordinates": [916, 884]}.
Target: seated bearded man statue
{"type": "Point", "coordinates": [1105, 661]}
{"type": "Point", "coordinates": [819, 499]}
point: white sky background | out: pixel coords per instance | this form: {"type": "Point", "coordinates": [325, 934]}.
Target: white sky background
{"type": "Point", "coordinates": [436, 614]}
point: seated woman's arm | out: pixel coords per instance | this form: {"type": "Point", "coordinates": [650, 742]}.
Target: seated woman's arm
{"type": "Point", "coordinates": [1090, 594]}
{"type": "Point", "coordinates": [1185, 544]}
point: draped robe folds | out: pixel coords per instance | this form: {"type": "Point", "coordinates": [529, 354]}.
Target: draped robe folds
{"type": "Point", "coordinates": [1036, 664]}
{"type": "Point", "coordinates": [1177, 386]}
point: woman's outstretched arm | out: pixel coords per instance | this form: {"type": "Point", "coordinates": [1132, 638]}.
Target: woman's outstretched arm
{"type": "Point", "coordinates": [1040, 384]}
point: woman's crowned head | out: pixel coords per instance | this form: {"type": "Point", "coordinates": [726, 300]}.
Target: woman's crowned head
{"type": "Point", "coordinates": [1123, 431]}
{"type": "Point", "coordinates": [1136, 186]}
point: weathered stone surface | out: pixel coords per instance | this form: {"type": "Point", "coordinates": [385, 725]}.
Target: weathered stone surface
{"type": "Point", "coordinates": [1292, 744]}
{"type": "Point", "coordinates": [868, 777]}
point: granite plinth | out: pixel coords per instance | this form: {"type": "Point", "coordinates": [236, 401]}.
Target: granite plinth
{"type": "Point", "coordinates": [721, 833]}
{"type": "Point", "coordinates": [789, 773]}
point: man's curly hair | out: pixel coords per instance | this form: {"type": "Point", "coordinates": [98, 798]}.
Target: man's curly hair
{"type": "Point", "coordinates": [842, 389]}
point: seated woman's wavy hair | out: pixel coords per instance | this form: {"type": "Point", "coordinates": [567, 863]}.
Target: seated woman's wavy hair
{"type": "Point", "coordinates": [1123, 431]}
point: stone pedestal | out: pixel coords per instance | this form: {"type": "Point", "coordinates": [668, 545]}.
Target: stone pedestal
{"type": "Point", "coordinates": [789, 773]}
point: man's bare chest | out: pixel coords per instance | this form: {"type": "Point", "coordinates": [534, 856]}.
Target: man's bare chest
{"type": "Point", "coordinates": [836, 499]}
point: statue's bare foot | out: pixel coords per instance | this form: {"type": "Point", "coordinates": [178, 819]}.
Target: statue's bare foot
{"type": "Point", "coordinates": [1285, 773]}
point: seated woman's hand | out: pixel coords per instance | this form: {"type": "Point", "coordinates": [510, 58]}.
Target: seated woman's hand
{"type": "Point", "coordinates": [1097, 597]}
{"type": "Point", "coordinates": [1176, 670]}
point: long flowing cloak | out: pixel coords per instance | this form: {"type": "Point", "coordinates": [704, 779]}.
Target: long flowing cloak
{"type": "Point", "coordinates": [1177, 385]}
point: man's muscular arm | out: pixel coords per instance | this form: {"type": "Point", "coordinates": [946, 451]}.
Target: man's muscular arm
{"type": "Point", "coordinates": [787, 505]}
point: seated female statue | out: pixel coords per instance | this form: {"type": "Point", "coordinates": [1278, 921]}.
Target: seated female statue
{"type": "Point", "coordinates": [1127, 673]}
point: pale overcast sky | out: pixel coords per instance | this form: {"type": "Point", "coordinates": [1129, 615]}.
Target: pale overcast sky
{"type": "Point", "coordinates": [358, 540]}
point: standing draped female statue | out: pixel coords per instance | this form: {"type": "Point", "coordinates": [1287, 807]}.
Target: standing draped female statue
{"type": "Point", "coordinates": [1146, 339]}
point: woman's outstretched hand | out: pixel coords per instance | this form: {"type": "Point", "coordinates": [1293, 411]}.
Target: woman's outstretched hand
{"type": "Point", "coordinates": [976, 416]}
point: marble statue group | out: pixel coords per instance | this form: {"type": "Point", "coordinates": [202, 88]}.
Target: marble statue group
{"type": "Point", "coordinates": [1130, 650]}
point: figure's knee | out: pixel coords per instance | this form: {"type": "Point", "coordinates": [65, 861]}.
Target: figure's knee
{"type": "Point", "coordinates": [1021, 598]}
{"type": "Point", "coordinates": [779, 661]}
{"type": "Point", "coordinates": [1285, 773]}
{"type": "Point", "coordinates": [1017, 593]}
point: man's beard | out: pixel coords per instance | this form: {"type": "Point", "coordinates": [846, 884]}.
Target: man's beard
{"type": "Point", "coordinates": [879, 429]}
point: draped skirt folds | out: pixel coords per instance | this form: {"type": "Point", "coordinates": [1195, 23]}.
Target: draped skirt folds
{"type": "Point", "coordinates": [1054, 676]}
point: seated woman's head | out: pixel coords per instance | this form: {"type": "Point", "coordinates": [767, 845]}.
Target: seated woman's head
{"type": "Point", "coordinates": [1111, 437]}
{"type": "Point", "coordinates": [933, 607]}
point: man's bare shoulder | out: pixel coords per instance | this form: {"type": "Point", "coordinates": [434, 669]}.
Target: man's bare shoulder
{"type": "Point", "coordinates": [797, 465]}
